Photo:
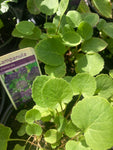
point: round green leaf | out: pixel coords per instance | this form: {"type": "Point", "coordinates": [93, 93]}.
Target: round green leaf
{"type": "Point", "coordinates": [22, 130]}
{"type": "Point", "coordinates": [101, 24]}
{"type": "Point", "coordinates": [58, 71]}
{"type": "Point", "coordinates": [83, 83]}
{"type": "Point", "coordinates": [33, 129]}
{"type": "Point", "coordinates": [5, 132]}
{"type": "Point", "coordinates": [45, 112]}
{"type": "Point", "coordinates": [110, 44]}
{"type": "Point", "coordinates": [73, 18]}
{"type": "Point", "coordinates": [27, 43]}
{"type": "Point", "coordinates": [25, 27]}
{"type": "Point", "coordinates": [62, 7]}
{"type": "Point", "coordinates": [104, 86]}
{"type": "Point", "coordinates": [3, 144]}
{"type": "Point", "coordinates": [66, 28]}
{"type": "Point", "coordinates": [19, 147]}
{"type": "Point", "coordinates": [94, 115]}
{"type": "Point", "coordinates": [108, 29]}
{"type": "Point", "coordinates": [93, 45]}
{"type": "Point", "coordinates": [85, 30]}
{"type": "Point", "coordinates": [73, 145]}
{"type": "Point", "coordinates": [92, 64]}
{"type": "Point", "coordinates": [51, 51]}
{"type": "Point", "coordinates": [71, 38]}
{"type": "Point", "coordinates": [32, 115]}
{"type": "Point", "coordinates": [49, 7]}
{"type": "Point", "coordinates": [16, 33]}
{"type": "Point", "coordinates": [37, 89]}
{"type": "Point", "coordinates": [52, 136]}
{"type": "Point", "coordinates": [83, 7]}
{"type": "Point", "coordinates": [34, 36]}
{"type": "Point", "coordinates": [68, 78]}
{"type": "Point", "coordinates": [104, 7]}
{"type": "Point", "coordinates": [33, 6]}
{"type": "Point", "coordinates": [55, 91]}
{"type": "Point", "coordinates": [70, 129]}
{"type": "Point", "coordinates": [55, 145]}
{"type": "Point", "coordinates": [91, 18]}
{"type": "Point", "coordinates": [111, 73]}
{"type": "Point", "coordinates": [50, 27]}
{"type": "Point", "coordinates": [20, 117]}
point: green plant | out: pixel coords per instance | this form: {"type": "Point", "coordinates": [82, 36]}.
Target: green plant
{"type": "Point", "coordinates": [4, 5]}
{"type": "Point", "coordinates": [74, 99]}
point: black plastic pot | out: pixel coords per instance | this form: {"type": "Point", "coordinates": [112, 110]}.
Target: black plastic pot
{"type": "Point", "coordinates": [6, 114]}
{"type": "Point", "coordinates": [9, 110]}
{"type": "Point", "coordinates": [5, 105]}
{"type": "Point", "coordinates": [8, 43]}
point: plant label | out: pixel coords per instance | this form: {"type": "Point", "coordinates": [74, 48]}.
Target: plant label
{"type": "Point", "coordinates": [17, 72]}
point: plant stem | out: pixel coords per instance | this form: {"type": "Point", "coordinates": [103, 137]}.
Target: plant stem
{"type": "Point", "coordinates": [31, 143]}
{"type": "Point", "coordinates": [22, 140]}
{"type": "Point", "coordinates": [57, 112]}
{"type": "Point", "coordinates": [61, 108]}
{"type": "Point", "coordinates": [28, 139]}
{"type": "Point", "coordinates": [58, 26]}
{"type": "Point", "coordinates": [77, 134]}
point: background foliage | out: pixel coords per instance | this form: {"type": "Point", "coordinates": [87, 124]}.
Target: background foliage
{"type": "Point", "coordinates": [74, 96]}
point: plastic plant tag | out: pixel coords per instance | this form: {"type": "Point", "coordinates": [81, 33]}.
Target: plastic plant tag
{"type": "Point", "coordinates": [17, 72]}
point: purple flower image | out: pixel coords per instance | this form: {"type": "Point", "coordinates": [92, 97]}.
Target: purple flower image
{"type": "Point", "coordinates": [19, 82]}
{"type": "Point", "coordinates": [7, 79]}
{"type": "Point", "coordinates": [10, 77]}
{"type": "Point", "coordinates": [16, 95]}
{"type": "Point", "coordinates": [22, 70]}
{"type": "Point", "coordinates": [26, 93]}
{"type": "Point", "coordinates": [14, 75]}
{"type": "Point", "coordinates": [21, 85]}
{"type": "Point", "coordinates": [35, 70]}
{"type": "Point", "coordinates": [33, 73]}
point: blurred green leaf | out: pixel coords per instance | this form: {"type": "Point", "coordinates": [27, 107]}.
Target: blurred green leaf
{"type": "Point", "coordinates": [32, 115]}
{"type": "Point", "coordinates": [92, 64]}
{"type": "Point", "coordinates": [20, 117]}
{"type": "Point", "coordinates": [73, 18]}
{"type": "Point", "coordinates": [58, 71]}
{"type": "Point", "coordinates": [85, 30]}
{"type": "Point", "coordinates": [94, 116]}
{"type": "Point", "coordinates": [93, 45]}
{"type": "Point", "coordinates": [52, 136]}
{"type": "Point", "coordinates": [83, 83]}
{"type": "Point", "coordinates": [104, 7]}
{"type": "Point", "coordinates": [55, 91]}
{"type": "Point", "coordinates": [33, 129]}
